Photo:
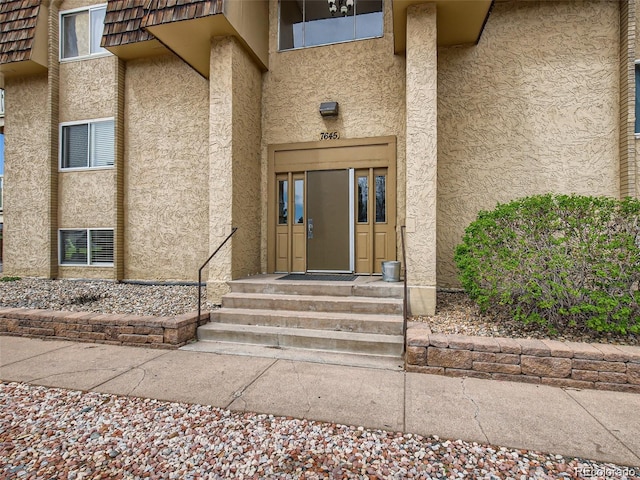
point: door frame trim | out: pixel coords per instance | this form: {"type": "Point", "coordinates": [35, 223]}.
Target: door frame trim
{"type": "Point", "coordinates": [306, 156]}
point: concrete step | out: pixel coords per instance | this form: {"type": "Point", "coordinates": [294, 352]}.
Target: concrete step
{"type": "Point", "coordinates": [335, 341]}
{"type": "Point", "coordinates": [362, 287]}
{"type": "Point", "coordinates": [298, 354]}
{"type": "Point", "coordinates": [313, 303]}
{"type": "Point", "coordinates": [335, 321]}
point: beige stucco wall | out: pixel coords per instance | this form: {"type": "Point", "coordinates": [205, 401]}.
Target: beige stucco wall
{"type": "Point", "coordinates": [166, 170]}
{"type": "Point", "coordinates": [27, 199]}
{"type": "Point", "coordinates": [533, 108]}
{"type": "Point", "coordinates": [247, 110]}
{"type": "Point", "coordinates": [364, 77]}
{"type": "Point", "coordinates": [235, 124]}
{"type": "Point", "coordinates": [86, 199]}
{"type": "Point", "coordinates": [87, 89]}
{"type": "Point", "coordinates": [422, 157]}
{"type": "Point", "coordinates": [220, 164]}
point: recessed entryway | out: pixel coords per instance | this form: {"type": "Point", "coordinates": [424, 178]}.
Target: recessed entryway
{"type": "Point", "coordinates": [332, 206]}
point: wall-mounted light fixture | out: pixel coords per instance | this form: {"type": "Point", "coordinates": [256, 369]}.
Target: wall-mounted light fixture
{"type": "Point", "coordinates": [329, 109]}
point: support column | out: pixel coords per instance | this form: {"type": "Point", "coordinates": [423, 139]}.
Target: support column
{"type": "Point", "coordinates": [421, 157]}
{"type": "Point", "coordinates": [220, 164]}
{"type": "Point", "coordinates": [234, 161]}
{"type": "Point", "coordinates": [118, 234]}
{"type": "Point", "coordinates": [628, 179]}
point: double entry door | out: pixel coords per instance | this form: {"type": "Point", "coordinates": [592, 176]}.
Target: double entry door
{"type": "Point", "coordinates": [333, 219]}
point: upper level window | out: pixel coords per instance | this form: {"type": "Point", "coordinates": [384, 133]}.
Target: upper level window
{"type": "Point", "coordinates": [81, 32]}
{"type": "Point", "coordinates": [87, 144]}
{"type": "Point", "coordinates": [305, 23]}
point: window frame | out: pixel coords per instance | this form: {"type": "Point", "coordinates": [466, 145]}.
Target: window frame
{"type": "Point", "coordinates": [280, 49]}
{"type": "Point", "coordinates": [61, 168]}
{"type": "Point", "coordinates": [88, 262]}
{"type": "Point", "coordinates": [89, 9]}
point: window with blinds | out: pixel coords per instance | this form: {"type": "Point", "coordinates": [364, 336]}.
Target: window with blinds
{"type": "Point", "coordinates": [82, 247]}
{"type": "Point", "coordinates": [87, 145]}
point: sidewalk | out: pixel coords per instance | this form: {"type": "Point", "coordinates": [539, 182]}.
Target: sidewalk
{"type": "Point", "coordinates": [596, 425]}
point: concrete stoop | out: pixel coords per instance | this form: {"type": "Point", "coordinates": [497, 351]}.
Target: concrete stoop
{"type": "Point", "coordinates": [349, 323]}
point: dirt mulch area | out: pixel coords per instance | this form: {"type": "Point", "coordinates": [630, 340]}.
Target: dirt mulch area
{"type": "Point", "coordinates": [457, 314]}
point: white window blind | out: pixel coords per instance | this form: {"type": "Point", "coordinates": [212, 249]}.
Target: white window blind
{"type": "Point", "coordinates": [86, 247]}
{"type": "Point", "coordinates": [101, 246]}
{"type": "Point", "coordinates": [88, 145]}
{"type": "Point", "coordinates": [102, 140]}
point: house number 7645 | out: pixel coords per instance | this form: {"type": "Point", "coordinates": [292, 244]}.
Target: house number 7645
{"type": "Point", "coordinates": [329, 135]}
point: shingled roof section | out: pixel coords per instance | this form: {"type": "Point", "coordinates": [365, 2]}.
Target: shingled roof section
{"type": "Point", "coordinates": [18, 19]}
{"type": "Point", "coordinates": [167, 11]}
{"type": "Point", "coordinates": [122, 23]}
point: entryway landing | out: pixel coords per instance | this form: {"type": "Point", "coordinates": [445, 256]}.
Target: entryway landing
{"type": "Point", "coordinates": [361, 286]}
{"type": "Point", "coordinates": [356, 322]}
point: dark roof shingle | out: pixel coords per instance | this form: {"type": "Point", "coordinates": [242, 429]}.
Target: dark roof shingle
{"type": "Point", "coordinates": [122, 23]}
{"type": "Point", "coordinates": [167, 11]}
{"type": "Point", "coordinates": [18, 19]}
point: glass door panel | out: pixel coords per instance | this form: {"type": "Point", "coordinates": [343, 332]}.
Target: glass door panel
{"type": "Point", "coordinates": [298, 229]}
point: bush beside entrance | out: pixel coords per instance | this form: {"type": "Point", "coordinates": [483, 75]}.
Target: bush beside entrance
{"type": "Point", "coordinates": [557, 260]}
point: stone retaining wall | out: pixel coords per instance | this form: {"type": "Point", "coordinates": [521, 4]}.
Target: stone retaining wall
{"type": "Point", "coordinates": [134, 330]}
{"type": "Point", "coordinates": [560, 364]}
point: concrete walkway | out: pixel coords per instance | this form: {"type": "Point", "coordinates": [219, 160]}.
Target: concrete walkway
{"type": "Point", "coordinates": [596, 425]}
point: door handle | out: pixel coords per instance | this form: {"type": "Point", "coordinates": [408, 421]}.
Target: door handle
{"type": "Point", "coordinates": [310, 228]}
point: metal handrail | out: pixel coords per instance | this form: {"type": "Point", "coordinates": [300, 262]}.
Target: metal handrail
{"type": "Point", "coordinates": [405, 305]}
{"type": "Point", "coordinates": [233, 230]}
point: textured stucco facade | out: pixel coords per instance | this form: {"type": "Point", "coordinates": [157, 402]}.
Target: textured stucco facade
{"type": "Point", "coordinates": [234, 135]}
{"type": "Point", "coordinates": [86, 199]}
{"type": "Point", "coordinates": [27, 198]}
{"type": "Point", "coordinates": [422, 156]}
{"type": "Point", "coordinates": [533, 108]}
{"type": "Point", "coordinates": [542, 103]}
{"type": "Point", "coordinates": [364, 77]}
{"type": "Point", "coordinates": [166, 171]}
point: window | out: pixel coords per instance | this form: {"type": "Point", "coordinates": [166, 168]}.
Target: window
{"type": "Point", "coordinates": [87, 145]}
{"type": "Point", "coordinates": [283, 202]}
{"type": "Point", "coordinates": [305, 23]}
{"type": "Point", "coordinates": [81, 32]}
{"type": "Point", "coordinates": [1, 192]}
{"type": "Point", "coordinates": [363, 199]}
{"type": "Point", "coordinates": [86, 247]}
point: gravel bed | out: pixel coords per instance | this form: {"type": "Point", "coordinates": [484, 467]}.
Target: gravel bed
{"type": "Point", "coordinates": [102, 297]}
{"type": "Point", "coordinates": [54, 433]}
{"type": "Point", "coordinates": [457, 314]}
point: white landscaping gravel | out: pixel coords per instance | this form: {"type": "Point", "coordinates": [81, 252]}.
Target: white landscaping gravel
{"type": "Point", "coordinates": [102, 297]}
{"type": "Point", "coordinates": [48, 433]}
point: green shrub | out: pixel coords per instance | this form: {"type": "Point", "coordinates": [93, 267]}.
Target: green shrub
{"type": "Point", "coordinates": [9, 279]}
{"type": "Point", "coordinates": [557, 260]}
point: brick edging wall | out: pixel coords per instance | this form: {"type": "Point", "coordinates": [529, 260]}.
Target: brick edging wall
{"type": "Point", "coordinates": [549, 362]}
{"type": "Point", "coordinates": [134, 330]}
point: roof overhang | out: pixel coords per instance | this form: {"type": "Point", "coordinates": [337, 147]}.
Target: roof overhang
{"type": "Point", "coordinates": [131, 51]}
{"type": "Point", "coordinates": [190, 39]}
{"type": "Point", "coordinates": [459, 22]}
{"type": "Point", "coordinates": [37, 61]}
